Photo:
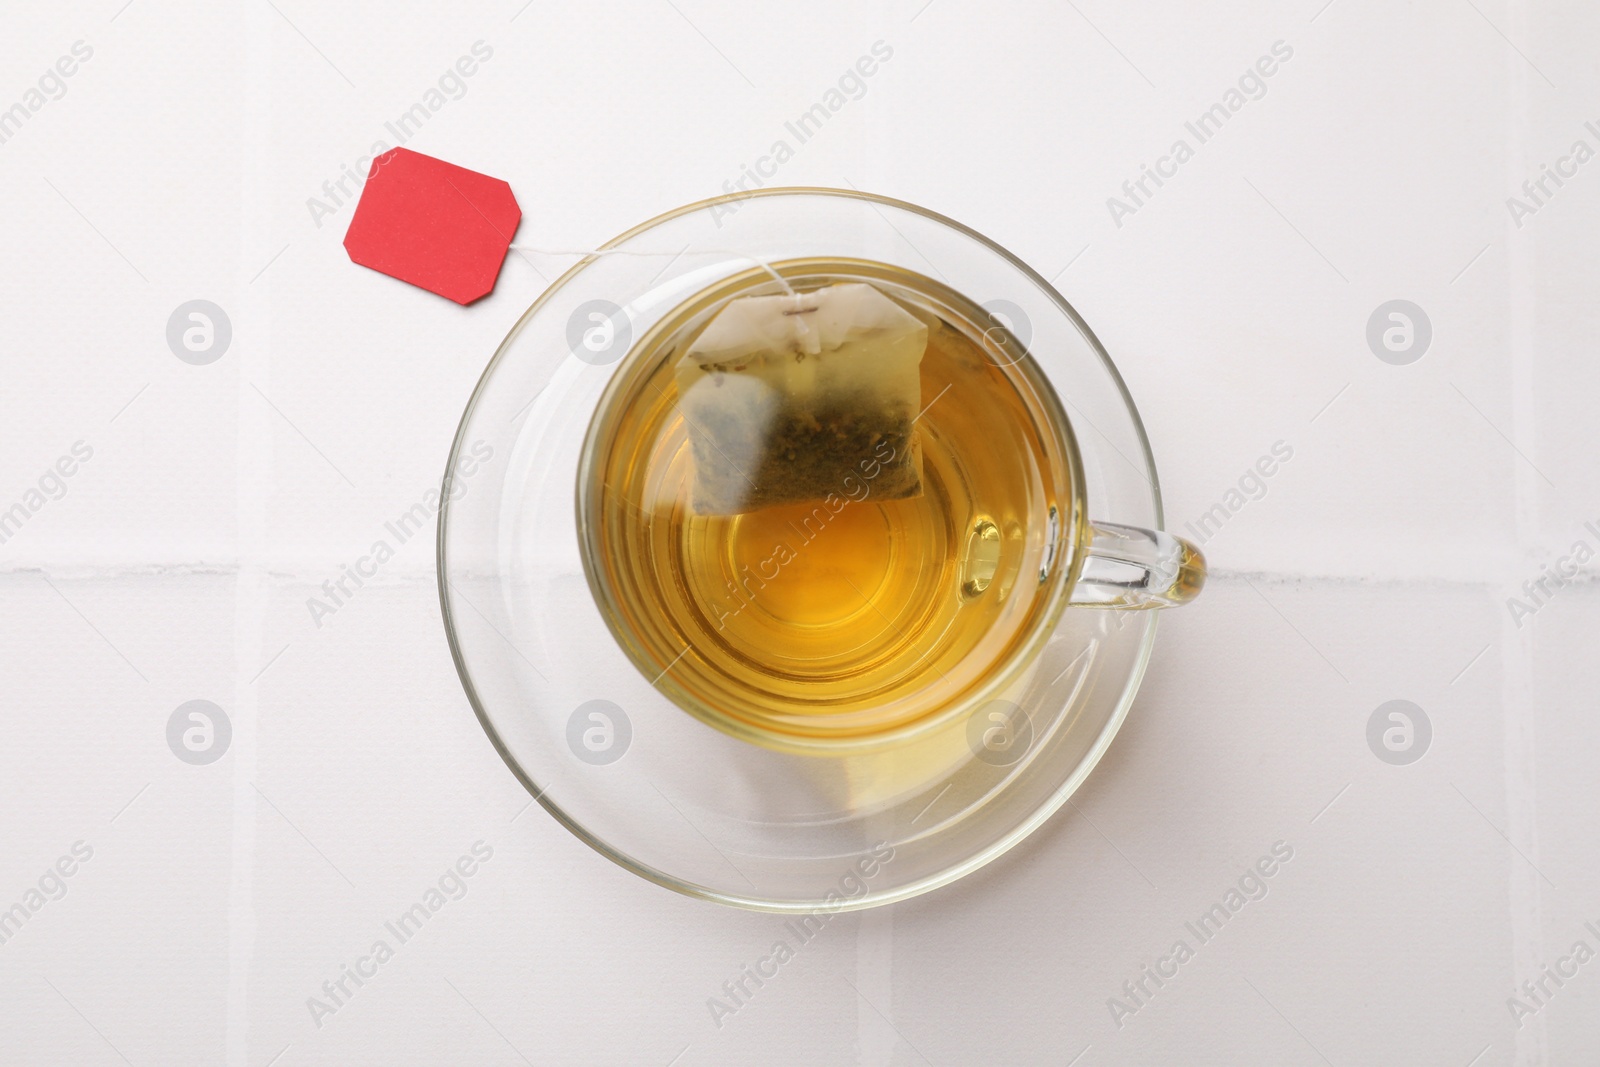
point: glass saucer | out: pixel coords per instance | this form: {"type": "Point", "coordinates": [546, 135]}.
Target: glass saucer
{"type": "Point", "coordinates": [604, 749]}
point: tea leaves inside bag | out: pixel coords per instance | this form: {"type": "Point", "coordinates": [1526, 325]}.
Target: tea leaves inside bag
{"type": "Point", "coordinates": [793, 398]}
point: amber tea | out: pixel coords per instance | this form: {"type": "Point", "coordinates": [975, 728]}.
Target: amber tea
{"type": "Point", "coordinates": [829, 506]}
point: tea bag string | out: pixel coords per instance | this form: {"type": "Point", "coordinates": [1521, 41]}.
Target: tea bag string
{"type": "Point", "coordinates": [763, 264]}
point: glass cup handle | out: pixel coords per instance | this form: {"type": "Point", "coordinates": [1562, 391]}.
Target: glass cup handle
{"type": "Point", "coordinates": [1130, 567]}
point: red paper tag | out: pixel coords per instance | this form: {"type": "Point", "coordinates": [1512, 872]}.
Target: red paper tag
{"type": "Point", "coordinates": [433, 224]}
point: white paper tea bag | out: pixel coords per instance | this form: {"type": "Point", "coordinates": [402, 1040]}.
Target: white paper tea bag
{"type": "Point", "coordinates": [793, 398]}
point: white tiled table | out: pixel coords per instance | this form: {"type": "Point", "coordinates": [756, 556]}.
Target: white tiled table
{"type": "Point", "coordinates": [1376, 565]}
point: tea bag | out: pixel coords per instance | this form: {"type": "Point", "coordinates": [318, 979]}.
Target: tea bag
{"type": "Point", "coordinates": [798, 398]}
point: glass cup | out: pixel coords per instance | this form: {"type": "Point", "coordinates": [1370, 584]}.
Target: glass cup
{"type": "Point", "coordinates": [845, 620]}
{"type": "Point", "coordinates": [726, 782]}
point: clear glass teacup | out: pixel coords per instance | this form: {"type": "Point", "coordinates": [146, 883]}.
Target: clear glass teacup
{"type": "Point", "coordinates": [875, 560]}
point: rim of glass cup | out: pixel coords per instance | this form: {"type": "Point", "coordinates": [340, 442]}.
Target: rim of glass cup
{"type": "Point", "coordinates": [770, 733]}
{"type": "Point", "coordinates": [1001, 845]}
